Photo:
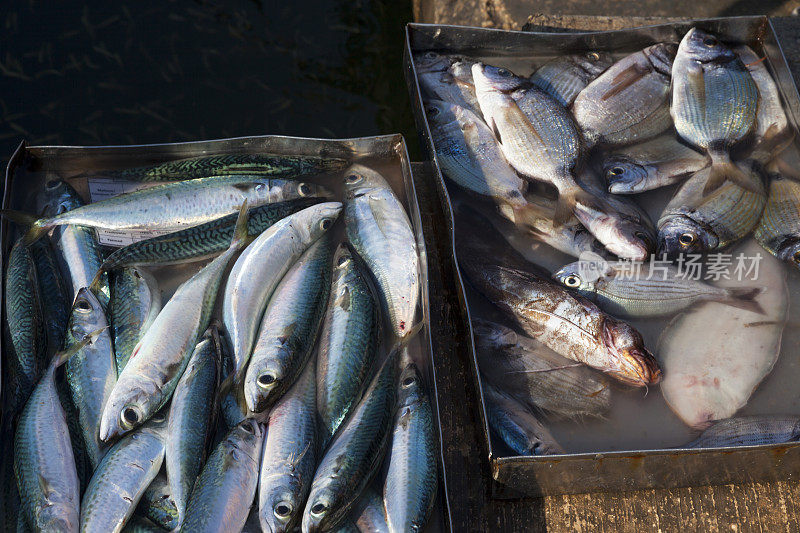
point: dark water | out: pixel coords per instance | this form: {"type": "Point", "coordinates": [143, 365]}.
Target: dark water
{"type": "Point", "coordinates": [130, 72]}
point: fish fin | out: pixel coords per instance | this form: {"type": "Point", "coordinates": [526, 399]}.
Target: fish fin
{"type": "Point", "coordinates": [94, 286]}
{"type": "Point", "coordinates": [62, 357]}
{"type": "Point", "coordinates": [625, 79]}
{"type": "Point", "coordinates": [744, 298]}
{"type": "Point", "coordinates": [45, 486]}
{"type": "Point", "coordinates": [725, 170]}
{"type": "Point", "coordinates": [697, 81]}
{"type": "Point", "coordinates": [36, 227]}
{"type": "Point", "coordinates": [240, 235]}
{"type": "Point", "coordinates": [567, 199]}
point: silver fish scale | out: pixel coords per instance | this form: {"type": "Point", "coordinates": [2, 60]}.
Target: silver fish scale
{"type": "Point", "coordinates": [779, 227]}
{"type": "Point", "coordinates": [748, 431]}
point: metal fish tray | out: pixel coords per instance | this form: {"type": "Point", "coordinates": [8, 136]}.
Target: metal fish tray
{"type": "Point", "coordinates": [30, 167]}
{"type": "Point", "coordinates": [516, 476]}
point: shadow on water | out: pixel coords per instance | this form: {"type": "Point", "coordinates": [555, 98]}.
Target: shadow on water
{"type": "Point", "coordinates": [162, 71]}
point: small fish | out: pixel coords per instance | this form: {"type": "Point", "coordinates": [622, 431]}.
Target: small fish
{"type": "Point", "coordinates": [226, 488]}
{"type": "Point", "coordinates": [289, 327]}
{"type": "Point", "coordinates": [192, 419]}
{"type": "Point", "coordinates": [537, 135]}
{"type": "Point", "coordinates": [122, 477]}
{"type": "Point", "coordinates": [276, 165]}
{"type": "Point", "coordinates": [629, 102]}
{"type": "Point", "coordinates": [572, 326]}
{"type": "Point", "coordinates": [652, 164]}
{"type": "Point", "coordinates": [565, 76]}
{"type": "Point", "coordinates": [257, 271]}
{"type": "Point", "coordinates": [470, 156]}
{"type": "Point", "coordinates": [447, 78]}
{"type": "Point", "coordinates": [354, 455]}
{"type": "Point", "coordinates": [697, 222]}
{"type": "Point", "coordinates": [778, 231]}
{"type": "Point", "coordinates": [537, 376]}
{"type": "Point", "coordinates": [748, 431]}
{"type": "Point", "coordinates": [380, 231]}
{"type": "Point", "coordinates": [618, 290]}
{"type": "Point", "coordinates": [134, 305]}
{"type": "Point", "coordinates": [409, 490]}
{"type": "Point", "coordinates": [516, 425]}
{"type": "Point", "coordinates": [347, 344]}
{"type": "Point", "coordinates": [157, 506]}
{"type": "Point", "coordinates": [289, 456]}
{"type": "Point", "coordinates": [55, 308]}
{"type": "Point", "coordinates": [714, 103]}
{"type": "Point", "coordinates": [148, 380]}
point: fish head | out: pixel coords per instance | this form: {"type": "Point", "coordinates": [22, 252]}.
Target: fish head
{"type": "Point", "coordinates": [631, 240]}
{"type": "Point", "coordinates": [593, 63]}
{"type": "Point", "coordinates": [265, 379]}
{"type": "Point", "coordinates": [630, 361]}
{"type": "Point", "coordinates": [705, 47]}
{"type": "Point", "coordinates": [359, 180]}
{"type": "Point", "coordinates": [661, 56]}
{"type": "Point", "coordinates": [57, 197]}
{"type": "Point", "coordinates": [489, 78]}
{"type": "Point", "coordinates": [57, 516]}
{"type": "Point", "coordinates": [322, 509]}
{"type": "Point", "coordinates": [625, 175]}
{"type": "Point", "coordinates": [680, 235]}
{"type": "Point", "coordinates": [578, 277]}
{"type": "Point", "coordinates": [461, 71]}
{"type": "Point", "coordinates": [409, 387]}
{"type": "Point", "coordinates": [247, 437]}
{"type": "Point", "coordinates": [789, 251]}
{"type": "Point", "coordinates": [128, 407]}
{"type": "Point", "coordinates": [300, 189]}
{"type": "Point", "coordinates": [314, 221]}
{"type": "Point", "coordinates": [87, 314]}
{"type": "Point", "coordinates": [283, 505]}
{"type": "Point", "coordinates": [431, 61]}
{"type": "Point", "coordinates": [440, 113]}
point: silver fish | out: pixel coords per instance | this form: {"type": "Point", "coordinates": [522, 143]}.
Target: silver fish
{"type": "Point", "coordinates": [379, 229]}
{"type": "Point", "coordinates": [748, 431]}
{"type": "Point", "coordinates": [536, 375]}
{"type": "Point", "coordinates": [122, 477]}
{"type": "Point", "coordinates": [135, 304]}
{"type": "Point", "coordinates": [516, 425]}
{"type": "Point", "coordinates": [225, 489]}
{"type": "Point", "coordinates": [257, 271]}
{"type": "Point", "coordinates": [369, 514]}
{"type": "Point", "coordinates": [537, 135]}
{"type": "Point", "coordinates": [289, 456]}
{"type": "Point", "coordinates": [470, 156]}
{"type": "Point", "coordinates": [160, 357]}
{"type": "Point", "coordinates": [649, 165]}
{"type": "Point", "coordinates": [778, 231]}
{"type": "Point", "coordinates": [565, 76]}
{"type": "Point", "coordinates": [621, 291]}
{"type": "Point", "coordinates": [411, 479]}
{"type": "Point", "coordinates": [447, 78]}
{"type": "Point", "coordinates": [629, 102]}
{"type": "Point", "coordinates": [156, 504]}
{"type": "Point", "coordinates": [714, 103]}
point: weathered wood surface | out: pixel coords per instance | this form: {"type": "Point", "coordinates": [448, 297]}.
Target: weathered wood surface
{"type": "Point", "coordinates": [762, 507]}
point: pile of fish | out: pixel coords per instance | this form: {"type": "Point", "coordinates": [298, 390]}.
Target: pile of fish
{"type": "Point", "coordinates": [276, 389]}
{"type": "Point", "coordinates": [550, 161]}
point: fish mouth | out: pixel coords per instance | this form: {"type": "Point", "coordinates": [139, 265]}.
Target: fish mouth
{"type": "Point", "coordinates": [638, 367]}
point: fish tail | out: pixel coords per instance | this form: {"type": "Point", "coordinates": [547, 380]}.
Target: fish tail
{"type": "Point", "coordinates": [723, 169]}
{"type": "Point", "coordinates": [62, 357]}
{"type": "Point", "coordinates": [240, 235]}
{"type": "Point", "coordinates": [36, 227]}
{"type": "Point", "coordinates": [744, 298]}
{"type": "Point", "coordinates": [96, 283]}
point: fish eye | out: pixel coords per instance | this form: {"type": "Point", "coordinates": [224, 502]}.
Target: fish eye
{"type": "Point", "coordinates": [593, 56]}
{"type": "Point", "coordinates": [325, 223]}
{"type": "Point", "coordinates": [283, 509]}
{"type": "Point", "coordinates": [258, 186]}
{"type": "Point", "coordinates": [83, 305]}
{"type": "Point", "coordinates": [318, 508]}
{"type": "Point", "coordinates": [640, 235]}
{"type": "Point", "coordinates": [432, 111]}
{"type": "Point", "coordinates": [52, 185]}
{"type": "Point", "coordinates": [709, 41]}
{"type": "Point", "coordinates": [430, 55]}
{"type": "Point", "coordinates": [265, 380]}
{"type": "Point", "coordinates": [352, 178]}
{"type": "Point", "coordinates": [248, 428]}
{"type": "Point", "coordinates": [343, 259]}
{"type": "Point", "coordinates": [130, 416]}
{"type": "Point", "coordinates": [137, 274]}
{"type": "Point", "coordinates": [687, 238]}
{"type": "Point", "coordinates": [505, 73]}
{"type": "Point", "coordinates": [616, 171]}
{"type": "Point", "coordinates": [304, 189]}
{"type": "Point", "coordinates": [572, 281]}
{"type": "Point", "coordinates": [796, 257]}
{"type": "Point", "coordinates": [409, 381]}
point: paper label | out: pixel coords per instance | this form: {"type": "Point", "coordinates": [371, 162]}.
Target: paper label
{"type": "Point", "coordinates": [105, 188]}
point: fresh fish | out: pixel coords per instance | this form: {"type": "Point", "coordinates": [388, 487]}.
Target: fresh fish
{"type": "Point", "coordinates": [565, 76]}
{"type": "Point", "coordinates": [91, 372]}
{"type": "Point", "coordinates": [276, 165]}
{"type": "Point", "coordinates": [209, 239]}
{"type": "Point", "coordinates": [369, 514]}
{"type": "Point", "coordinates": [43, 463]}
{"type": "Point", "coordinates": [134, 305]}
{"type": "Point", "coordinates": [232, 408]}
{"type": "Point", "coordinates": [619, 223]}
{"type": "Point", "coordinates": [714, 103]}
{"type": "Point", "coordinates": [778, 231]}
{"type": "Point", "coordinates": [160, 357]}
{"type": "Point", "coordinates": [629, 102]}
{"type": "Point", "coordinates": [663, 291]}
{"type": "Point", "coordinates": [354, 455]}
{"type": "Point", "coordinates": [26, 361]}
{"type": "Point", "coordinates": [536, 375]}
{"type": "Point", "coordinates": [156, 504]}
{"type": "Point", "coordinates": [348, 342]}
{"type": "Point", "coordinates": [447, 78]}
{"type": "Point", "coordinates": [569, 325]}
{"type": "Point", "coordinates": [772, 132]}
{"type": "Point", "coordinates": [261, 266]}
{"type": "Point", "coordinates": [748, 431]}
{"type": "Point", "coordinates": [289, 456]}
{"type": "Point", "coordinates": [537, 135]}
{"type": "Point", "coordinates": [172, 206]}
{"type": "Point", "coordinates": [379, 229]}
{"type": "Point", "coordinates": [706, 381]}
{"type": "Point", "coordinates": [78, 252]}
{"type": "Point", "coordinates": [289, 328]}
{"type": "Point", "coordinates": [516, 425]}
{"type": "Point", "coordinates": [470, 156]}
{"type": "Point", "coordinates": [122, 477]}
{"type": "Point", "coordinates": [55, 308]}
{"type": "Point", "coordinates": [652, 164]}
{"type": "Point", "coordinates": [410, 487]}
{"type": "Point", "coordinates": [696, 222]}
{"type": "Point", "coordinates": [226, 488]}
{"type": "Point", "coordinates": [192, 419]}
